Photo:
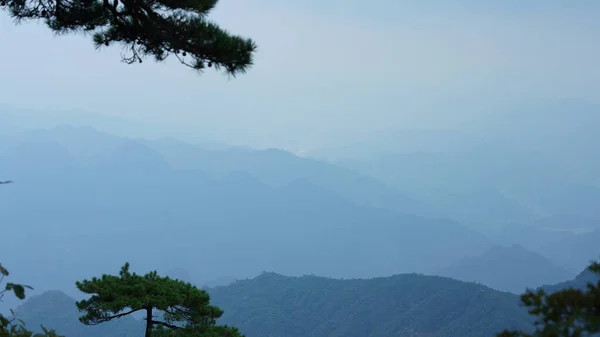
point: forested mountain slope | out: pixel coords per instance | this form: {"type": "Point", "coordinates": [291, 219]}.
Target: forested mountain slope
{"type": "Point", "coordinates": [272, 305]}
{"type": "Point", "coordinates": [402, 305]}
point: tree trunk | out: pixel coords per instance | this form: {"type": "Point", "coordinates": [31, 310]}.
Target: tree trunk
{"type": "Point", "coordinates": [148, 322]}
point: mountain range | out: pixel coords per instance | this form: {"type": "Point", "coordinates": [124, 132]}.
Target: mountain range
{"type": "Point", "coordinates": [94, 205]}
{"type": "Point", "coordinates": [88, 197]}
{"type": "Point", "coordinates": [272, 305]}
{"type": "Point", "coordinates": [529, 161]}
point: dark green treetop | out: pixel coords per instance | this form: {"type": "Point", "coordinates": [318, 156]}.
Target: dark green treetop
{"type": "Point", "coordinates": [566, 313]}
{"type": "Point", "coordinates": [158, 28]}
{"type": "Point", "coordinates": [185, 309]}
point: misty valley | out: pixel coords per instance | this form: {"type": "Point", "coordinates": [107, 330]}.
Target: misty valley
{"type": "Point", "coordinates": [416, 239]}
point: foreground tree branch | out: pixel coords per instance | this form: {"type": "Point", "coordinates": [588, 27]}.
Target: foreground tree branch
{"type": "Point", "coordinates": [157, 28]}
{"type": "Point", "coordinates": [569, 312]}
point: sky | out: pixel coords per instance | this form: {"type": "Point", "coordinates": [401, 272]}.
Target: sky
{"type": "Point", "coordinates": [325, 71]}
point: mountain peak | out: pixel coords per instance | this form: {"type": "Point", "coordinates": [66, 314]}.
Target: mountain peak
{"type": "Point", "coordinates": [43, 302]}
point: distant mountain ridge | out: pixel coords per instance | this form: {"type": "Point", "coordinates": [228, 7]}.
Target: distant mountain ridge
{"type": "Point", "coordinates": [507, 268]}
{"type": "Point", "coordinates": [580, 282]}
{"type": "Point", "coordinates": [83, 184]}
{"type": "Point", "coordinates": [279, 168]}
{"type": "Point", "coordinates": [272, 305]}
{"type": "Point", "coordinates": [85, 146]}
{"type": "Point", "coordinates": [574, 251]}
{"type": "Point", "coordinates": [406, 305]}
{"type": "Point", "coordinates": [129, 198]}
{"type": "Point", "coordinates": [526, 162]}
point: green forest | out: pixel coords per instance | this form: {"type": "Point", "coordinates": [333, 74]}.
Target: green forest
{"type": "Point", "coordinates": [275, 305]}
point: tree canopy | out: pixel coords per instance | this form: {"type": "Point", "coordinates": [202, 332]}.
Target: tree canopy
{"type": "Point", "coordinates": [185, 309]}
{"type": "Point", "coordinates": [158, 28]}
{"type": "Point", "coordinates": [567, 313]}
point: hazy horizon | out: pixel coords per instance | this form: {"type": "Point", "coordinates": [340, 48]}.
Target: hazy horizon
{"type": "Point", "coordinates": [329, 73]}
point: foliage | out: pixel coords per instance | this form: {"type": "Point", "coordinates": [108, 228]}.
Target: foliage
{"type": "Point", "coordinates": [12, 327]}
{"type": "Point", "coordinates": [569, 312]}
{"type": "Point", "coordinates": [185, 309]}
{"type": "Point", "coordinates": [56, 309]}
{"type": "Point", "coordinates": [215, 331]}
{"type": "Point", "coordinates": [158, 28]}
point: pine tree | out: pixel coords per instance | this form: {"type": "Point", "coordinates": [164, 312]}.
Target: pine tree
{"type": "Point", "coordinates": [159, 28]}
{"type": "Point", "coordinates": [184, 309]}
{"type": "Point", "coordinates": [566, 313]}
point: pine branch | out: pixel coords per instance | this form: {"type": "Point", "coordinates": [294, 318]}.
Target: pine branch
{"type": "Point", "coordinates": [166, 325]}
{"type": "Point", "coordinates": [158, 28]}
{"type": "Point", "coordinates": [104, 319]}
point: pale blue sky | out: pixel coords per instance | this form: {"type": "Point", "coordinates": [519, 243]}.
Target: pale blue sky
{"type": "Point", "coordinates": [325, 70]}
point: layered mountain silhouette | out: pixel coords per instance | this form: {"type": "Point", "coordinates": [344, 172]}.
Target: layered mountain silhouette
{"type": "Point", "coordinates": [279, 168]}
{"type": "Point", "coordinates": [88, 197]}
{"type": "Point", "coordinates": [84, 215]}
{"type": "Point", "coordinates": [507, 268]}
{"type": "Point", "coordinates": [580, 282]}
{"type": "Point", "coordinates": [574, 252]}
{"type": "Point", "coordinates": [528, 161]}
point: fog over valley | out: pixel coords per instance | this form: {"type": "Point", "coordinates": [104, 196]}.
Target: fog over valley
{"type": "Point", "coordinates": [427, 202]}
{"type": "Point", "coordinates": [299, 169]}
